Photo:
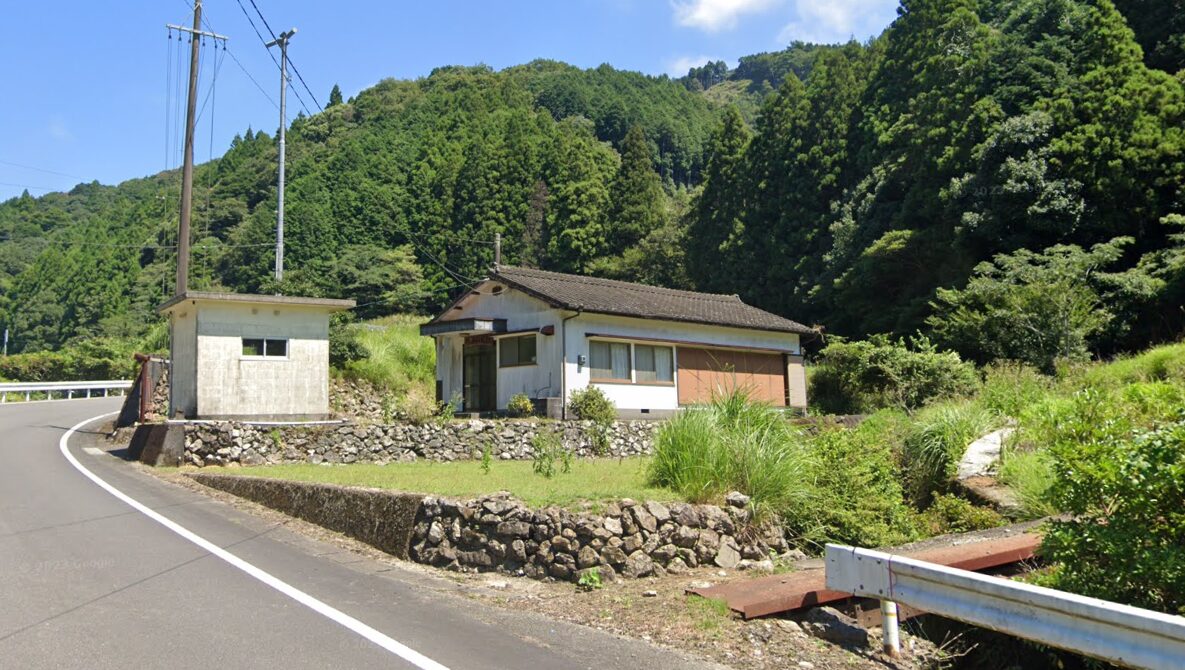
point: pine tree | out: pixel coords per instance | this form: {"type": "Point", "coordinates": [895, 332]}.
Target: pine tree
{"type": "Point", "coordinates": [717, 215]}
{"type": "Point", "coordinates": [335, 96]}
{"type": "Point", "coordinates": [636, 195]}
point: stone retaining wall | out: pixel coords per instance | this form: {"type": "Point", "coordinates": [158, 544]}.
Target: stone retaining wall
{"type": "Point", "coordinates": [631, 539]}
{"type": "Point", "coordinates": [223, 443]}
{"type": "Point", "coordinates": [500, 533]}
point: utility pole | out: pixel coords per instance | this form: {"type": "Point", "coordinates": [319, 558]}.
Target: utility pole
{"type": "Point", "coordinates": [282, 42]}
{"type": "Point", "coordinates": [497, 249]}
{"type": "Point", "coordinates": [6, 341]}
{"type": "Point", "coordinates": [195, 39]}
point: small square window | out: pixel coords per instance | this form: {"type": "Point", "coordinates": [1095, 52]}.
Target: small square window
{"type": "Point", "coordinates": [260, 347]}
{"type": "Point", "coordinates": [275, 348]}
{"type": "Point", "coordinates": [514, 351]}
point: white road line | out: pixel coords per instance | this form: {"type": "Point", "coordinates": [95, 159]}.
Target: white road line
{"type": "Point", "coordinates": [406, 653]}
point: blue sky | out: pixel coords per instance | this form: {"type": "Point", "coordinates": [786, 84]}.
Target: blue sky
{"type": "Point", "coordinates": [86, 82]}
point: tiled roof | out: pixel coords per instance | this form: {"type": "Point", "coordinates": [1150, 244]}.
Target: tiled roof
{"type": "Point", "coordinates": [608, 296]}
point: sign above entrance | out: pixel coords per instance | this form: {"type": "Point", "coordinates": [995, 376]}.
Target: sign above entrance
{"type": "Point", "coordinates": [477, 326]}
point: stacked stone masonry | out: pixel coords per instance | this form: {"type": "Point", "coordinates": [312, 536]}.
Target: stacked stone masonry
{"type": "Point", "coordinates": [224, 443]}
{"type": "Point", "coordinates": [629, 539]}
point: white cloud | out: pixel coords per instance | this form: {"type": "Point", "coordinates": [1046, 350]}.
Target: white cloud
{"type": "Point", "coordinates": [715, 15]}
{"type": "Point", "coordinates": [679, 66]}
{"type": "Point", "coordinates": [830, 21]}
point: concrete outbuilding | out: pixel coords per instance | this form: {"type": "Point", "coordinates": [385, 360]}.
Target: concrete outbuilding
{"type": "Point", "coordinates": [237, 355]}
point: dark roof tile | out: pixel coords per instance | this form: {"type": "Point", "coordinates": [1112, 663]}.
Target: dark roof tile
{"type": "Point", "coordinates": [608, 296]}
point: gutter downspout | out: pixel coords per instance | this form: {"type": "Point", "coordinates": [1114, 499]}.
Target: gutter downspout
{"type": "Point", "coordinates": [564, 362]}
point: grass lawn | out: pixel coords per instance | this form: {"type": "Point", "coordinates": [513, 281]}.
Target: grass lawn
{"type": "Point", "coordinates": [589, 480]}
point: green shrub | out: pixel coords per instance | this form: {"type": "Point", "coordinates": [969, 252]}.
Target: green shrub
{"type": "Point", "coordinates": [1037, 307]}
{"type": "Point", "coordinates": [591, 404]}
{"type": "Point", "coordinates": [590, 580]}
{"type": "Point", "coordinates": [344, 344]}
{"type": "Point", "coordinates": [1124, 490]}
{"type": "Point", "coordinates": [936, 442]}
{"type": "Point", "coordinates": [92, 359]}
{"type": "Point", "coordinates": [520, 405]}
{"type": "Point", "coordinates": [862, 377]}
{"type": "Point", "coordinates": [487, 456]}
{"type": "Point", "coordinates": [854, 494]}
{"type": "Point", "coordinates": [948, 513]}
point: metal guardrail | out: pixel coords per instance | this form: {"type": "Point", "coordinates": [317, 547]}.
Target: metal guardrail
{"type": "Point", "coordinates": [65, 389]}
{"type": "Point", "coordinates": [1121, 634]}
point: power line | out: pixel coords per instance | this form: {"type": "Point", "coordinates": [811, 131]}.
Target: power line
{"type": "Point", "coordinates": [239, 63]}
{"type": "Point", "coordinates": [30, 167]}
{"type": "Point", "coordinates": [35, 188]}
{"type": "Point", "coordinates": [140, 247]}
{"type": "Point", "coordinates": [244, 69]}
{"type": "Point", "coordinates": [263, 41]}
{"type": "Point", "coordinates": [294, 68]}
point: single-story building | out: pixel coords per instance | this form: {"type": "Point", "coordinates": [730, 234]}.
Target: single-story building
{"type": "Point", "coordinates": [651, 350]}
{"type": "Point", "coordinates": [237, 355]}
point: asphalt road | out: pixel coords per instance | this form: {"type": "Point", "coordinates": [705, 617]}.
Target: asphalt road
{"type": "Point", "coordinates": [88, 581]}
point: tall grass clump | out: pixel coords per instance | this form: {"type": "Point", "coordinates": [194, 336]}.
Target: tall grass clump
{"type": "Point", "coordinates": [1030, 475]}
{"type": "Point", "coordinates": [732, 444]}
{"type": "Point", "coordinates": [1009, 388]}
{"type": "Point", "coordinates": [1159, 364]}
{"type": "Point", "coordinates": [397, 358]}
{"type": "Point", "coordinates": [935, 444]}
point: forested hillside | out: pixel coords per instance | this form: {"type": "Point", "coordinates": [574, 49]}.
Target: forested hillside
{"type": "Point", "coordinates": [862, 186]}
{"type": "Point", "coordinates": [969, 130]}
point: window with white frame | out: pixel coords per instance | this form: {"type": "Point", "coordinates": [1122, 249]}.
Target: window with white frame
{"type": "Point", "coordinates": [627, 362]}
{"type": "Point", "coordinates": [265, 347]}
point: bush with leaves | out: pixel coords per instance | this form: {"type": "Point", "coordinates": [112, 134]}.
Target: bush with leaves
{"type": "Point", "coordinates": [94, 358]}
{"type": "Point", "coordinates": [520, 405]}
{"type": "Point", "coordinates": [591, 404]}
{"type": "Point", "coordinates": [344, 345]}
{"type": "Point", "coordinates": [864, 376]}
{"type": "Point", "coordinates": [1035, 307]}
{"type": "Point", "coordinates": [1124, 489]}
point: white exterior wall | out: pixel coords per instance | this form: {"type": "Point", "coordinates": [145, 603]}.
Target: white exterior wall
{"type": "Point", "coordinates": [183, 360]}
{"type": "Point", "coordinates": [521, 312]}
{"type": "Point", "coordinates": [544, 379]}
{"type": "Point", "coordinates": [657, 397]}
{"type": "Point", "coordinates": [231, 384]}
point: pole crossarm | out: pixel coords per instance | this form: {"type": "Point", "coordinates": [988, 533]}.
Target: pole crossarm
{"type": "Point", "coordinates": [1121, 634]}
{"type": "Point", "coordinates": [203, 33]}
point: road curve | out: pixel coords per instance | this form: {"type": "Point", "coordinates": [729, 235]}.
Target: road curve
{"type": "Point", "coordinates": [87, 581]}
